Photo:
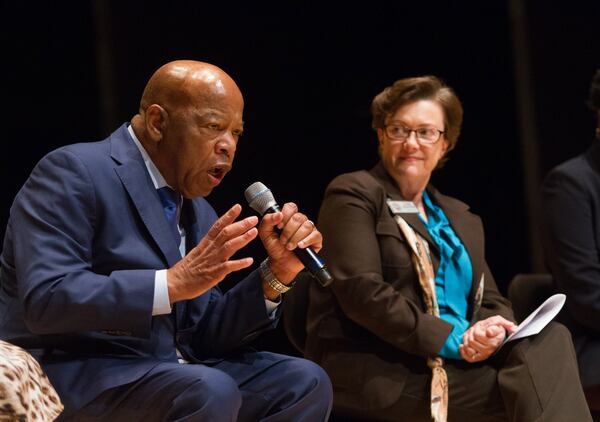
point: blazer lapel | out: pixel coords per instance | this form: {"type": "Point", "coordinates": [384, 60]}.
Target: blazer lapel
{"type": "Point", "coordinates": [136, 181]}
{"type": "Point", "coordinates": [393, 193]}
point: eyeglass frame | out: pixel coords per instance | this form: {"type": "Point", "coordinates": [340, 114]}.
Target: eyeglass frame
{"type": "Point", "coordinates": [419, 141]}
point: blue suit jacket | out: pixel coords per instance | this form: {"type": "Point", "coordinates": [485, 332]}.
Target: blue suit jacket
{"type": "Point", "coordinates": [85, 236]}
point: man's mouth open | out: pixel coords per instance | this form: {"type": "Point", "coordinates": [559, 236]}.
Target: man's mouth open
{"type": "Point", "coordinates": [217, 173]}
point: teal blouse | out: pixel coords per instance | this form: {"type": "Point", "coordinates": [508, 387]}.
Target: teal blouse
{"type": "Point", "coordinates": [453, 279]}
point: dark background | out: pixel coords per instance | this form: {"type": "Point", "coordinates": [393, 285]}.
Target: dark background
{"type": "Point", "coordinates": [74, 71]}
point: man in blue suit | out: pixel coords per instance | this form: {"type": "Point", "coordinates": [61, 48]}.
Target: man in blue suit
{"type": "Point", "coordinates": [112, 260]}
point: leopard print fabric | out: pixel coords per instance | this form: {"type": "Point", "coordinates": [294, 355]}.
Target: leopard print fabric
{"type": "Point", "coordinates": [25, 391]}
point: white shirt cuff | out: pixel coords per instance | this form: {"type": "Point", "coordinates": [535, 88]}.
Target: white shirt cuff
{"type": "Point", "coordinates": [161, 304]}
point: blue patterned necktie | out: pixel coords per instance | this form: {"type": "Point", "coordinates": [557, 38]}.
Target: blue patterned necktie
{"type": "Point", "coordinates": [170, 200]}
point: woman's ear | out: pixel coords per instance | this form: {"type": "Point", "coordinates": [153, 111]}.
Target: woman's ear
{"type": "Point", "coordinates": [444, 147]}
{"type": "Point", "coordinates": [380, 135]}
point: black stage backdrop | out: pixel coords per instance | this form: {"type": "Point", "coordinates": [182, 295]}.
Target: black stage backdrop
{"type": "Point", "coordinates": [74, 71]}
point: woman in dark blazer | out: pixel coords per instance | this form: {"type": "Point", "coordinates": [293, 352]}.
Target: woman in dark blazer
{"type": "Point", "coordinates": [413, 325]}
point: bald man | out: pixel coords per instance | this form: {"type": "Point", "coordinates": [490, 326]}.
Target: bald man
{"type": "Point", "coordinates": [112, 260]}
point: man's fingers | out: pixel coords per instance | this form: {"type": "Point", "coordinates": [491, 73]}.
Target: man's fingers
{"type": "Point", "coordinates": [237, 264]}
{"type": "Point", "coordinates": [215, 252]}
{"type": "Point", "coordinates": [233, 245]}
{"type": "Point", "coordinates": [291, 225]}
{"type": "Point", "coordinates": [314, 240]}
{"type": "Point", "coordinates": [224, 221]}
{"type": "Point", "coordinates": [288, 210]}
{"type": "Point", "coordinates": [236, 229]}
{"type": "Point", "coordinates": [270, 220]}
{"type": "Point", "coordinates": [297, 229]}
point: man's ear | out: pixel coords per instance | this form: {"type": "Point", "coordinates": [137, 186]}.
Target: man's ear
{"type": "Point", "coordinates": [156, 122]}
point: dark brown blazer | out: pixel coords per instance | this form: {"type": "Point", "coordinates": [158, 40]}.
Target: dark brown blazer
{"type": "Point", "coordinates": [370, 328]}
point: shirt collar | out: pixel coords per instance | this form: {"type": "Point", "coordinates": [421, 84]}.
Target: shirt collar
{"type": "Point", "coordinates": [157, 179]}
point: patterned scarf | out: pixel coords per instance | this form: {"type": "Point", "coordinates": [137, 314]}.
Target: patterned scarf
{"type": "Point", "coordinates": [422, 262]}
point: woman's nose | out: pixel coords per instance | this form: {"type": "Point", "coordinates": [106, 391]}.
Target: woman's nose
{"type": "Point", "coordinates": [411, 141]}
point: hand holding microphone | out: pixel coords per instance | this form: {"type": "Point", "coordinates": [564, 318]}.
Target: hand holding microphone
{"type": "Point", "coordinates": [295, 231]}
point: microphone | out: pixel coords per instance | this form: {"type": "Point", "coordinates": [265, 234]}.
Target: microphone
{"type": "Point", "coordinates": [261, 200]}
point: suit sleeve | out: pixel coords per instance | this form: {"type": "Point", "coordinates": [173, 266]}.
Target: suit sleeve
{"type": "Point", "coordinates": [53, 222]}
{"type": "Point", "coordinates": [348, 220]}
{"type": "Point", "coordinates": [231, 320]}
{"type": "Point", "coordinates": [572, 254]}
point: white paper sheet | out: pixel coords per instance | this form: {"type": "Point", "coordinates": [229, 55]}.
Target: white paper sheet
{"type": "Point", "coordinates": [539, 318]}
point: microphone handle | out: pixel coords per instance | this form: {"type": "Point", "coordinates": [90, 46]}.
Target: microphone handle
{"type": "Point", "coordinates": [312, 262]}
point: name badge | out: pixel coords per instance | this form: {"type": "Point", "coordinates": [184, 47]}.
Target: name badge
{"type": "Point", "coordinates": [402, 207]}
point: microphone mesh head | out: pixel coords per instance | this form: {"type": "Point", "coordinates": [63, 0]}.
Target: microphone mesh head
{"type": "Point", "coordinates": [259, 197]}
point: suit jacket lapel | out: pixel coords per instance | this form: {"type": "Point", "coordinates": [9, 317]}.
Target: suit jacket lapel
{"type": "Point", "coordinates": [136, 181]}
{"type": "Point", "coordinates": [393, 192]}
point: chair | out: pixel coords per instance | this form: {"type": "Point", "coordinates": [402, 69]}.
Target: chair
{"type": "Point", "coordinates": [295, 308]}
{"type": "Point", "coordinates": [528, 291]}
